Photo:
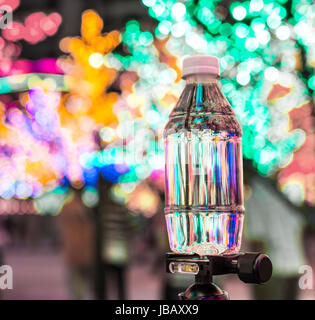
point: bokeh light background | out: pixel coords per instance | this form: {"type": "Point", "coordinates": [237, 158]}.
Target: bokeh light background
{"type": "Point", "coordinates": [48, 138]}
{"type": "Point", "coordinates": [63, 126]}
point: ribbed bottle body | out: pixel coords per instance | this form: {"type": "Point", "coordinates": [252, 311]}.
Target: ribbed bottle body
{"type": "Point", "coordinates": [203, 173]}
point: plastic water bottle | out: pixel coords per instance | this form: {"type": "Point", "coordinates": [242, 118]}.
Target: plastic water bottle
{"type": "Point", "coordinates": [203, 169]}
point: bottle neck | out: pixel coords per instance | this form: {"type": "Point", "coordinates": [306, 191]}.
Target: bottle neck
{"type": "Point", "coordinates": [201, 78]}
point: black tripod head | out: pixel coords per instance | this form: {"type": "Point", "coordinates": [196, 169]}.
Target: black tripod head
{"type": "Point", "coordinates": [250, 267]}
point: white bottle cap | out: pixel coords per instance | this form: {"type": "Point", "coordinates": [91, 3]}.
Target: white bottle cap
{"type": "Point", "coordinates": [200, 64]}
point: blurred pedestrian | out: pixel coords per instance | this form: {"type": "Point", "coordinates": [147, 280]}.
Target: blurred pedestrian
{"type": "Point", "coordinates": [77, 240]}
{"type": "Point", "coordinates": [275, 228]}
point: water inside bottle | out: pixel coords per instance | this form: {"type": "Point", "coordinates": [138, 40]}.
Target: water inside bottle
{"type": "Point", "coordinates": [204, 184]}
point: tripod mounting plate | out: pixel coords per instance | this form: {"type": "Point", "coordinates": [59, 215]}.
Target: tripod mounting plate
{"type": "Point", "coordinates": [251, 267]}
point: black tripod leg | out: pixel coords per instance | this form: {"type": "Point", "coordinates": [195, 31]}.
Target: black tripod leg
{"type": "Point", "coordinates": [121, 283]}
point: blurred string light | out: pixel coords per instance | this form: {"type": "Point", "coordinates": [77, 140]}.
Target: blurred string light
{"type": "Point", "coordinates": [24, 67]}
{"type": "Point", "coordinates": [87, 108]}
{"type": "Point", "coordinates": [239, 12]}
{"type": "Point", "coordinates": [25, 163]}
{"type": "Point", "coordinates": [24, 82]}
{"type": "Point", "coordinates": [90, 196]}
{"type": "Point", "coordinates": [37, 26]}
{"type": "Point", "coordinates": [25, 160]}
{"type": "Point", "coordinates": [46, 134]}
{"type": "Point", "coordinates": [51, 203]}
{"type": "Point", "coordinates": [29, 150]}
{"type": "Point", "coordinates": [14, 206]}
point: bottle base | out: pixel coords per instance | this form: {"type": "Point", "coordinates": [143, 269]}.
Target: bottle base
{"type": "Point", "coordinates": [205, 233]}
{"type": "Point", "coordinates": [206, 249]}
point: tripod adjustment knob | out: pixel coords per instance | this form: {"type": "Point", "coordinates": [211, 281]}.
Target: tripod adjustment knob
{"type": "Point", "coordinates": [254, 268]}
